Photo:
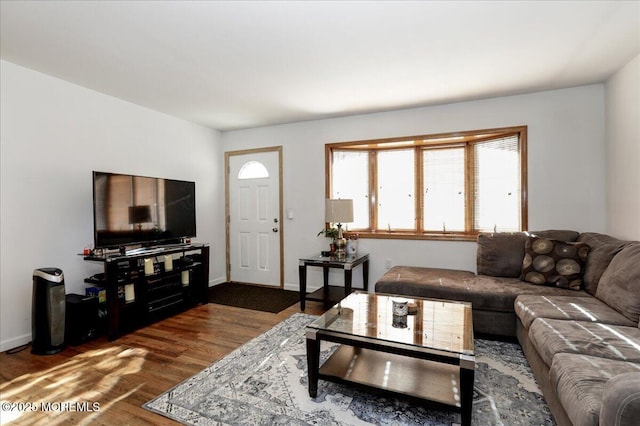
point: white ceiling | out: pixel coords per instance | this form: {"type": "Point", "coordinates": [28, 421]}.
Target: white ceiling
{"type": "Point", "coordinates": [230, 65]}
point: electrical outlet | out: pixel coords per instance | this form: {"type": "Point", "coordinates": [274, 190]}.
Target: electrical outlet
{"type": "Point", "coordinates": [387, 264]}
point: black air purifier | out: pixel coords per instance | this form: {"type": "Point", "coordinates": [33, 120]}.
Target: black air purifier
{"type": "Point", "coordinates": [48, 311]}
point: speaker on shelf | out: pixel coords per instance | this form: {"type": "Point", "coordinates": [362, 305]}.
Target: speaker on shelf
{"type": "Point", "coordinates": [47, 311]}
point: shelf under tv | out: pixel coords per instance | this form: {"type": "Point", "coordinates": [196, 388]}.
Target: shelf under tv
{"type": "Point", "coordinates": [162, 293]}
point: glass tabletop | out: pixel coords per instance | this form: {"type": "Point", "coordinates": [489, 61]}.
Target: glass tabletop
{"type": "Point", "coordinates": [353, 258]}
{"type": "Point", "coordinates": [431, 323]}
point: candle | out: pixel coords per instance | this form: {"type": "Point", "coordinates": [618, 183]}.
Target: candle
{"type": "Point", "coordinates": [185, 278]}
{"type": "Point", "coordinates": [148, 266]}
{"type": "Point", "coordinates": [129, 293]}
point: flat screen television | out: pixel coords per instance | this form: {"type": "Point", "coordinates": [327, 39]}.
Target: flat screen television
{"type": "Point", "coordinates": [139, 210]}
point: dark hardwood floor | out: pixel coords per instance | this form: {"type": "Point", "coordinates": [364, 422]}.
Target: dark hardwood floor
{"type": "Point", "coordinates": [120, 376]}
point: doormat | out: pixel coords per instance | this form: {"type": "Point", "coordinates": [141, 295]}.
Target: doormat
{"type": "Point", "coordinates": [254, 297]}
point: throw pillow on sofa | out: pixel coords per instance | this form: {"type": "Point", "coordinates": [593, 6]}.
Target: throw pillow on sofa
{"type": "Point", "coordinates": [553, 262]}
{"type": "Point", "coordinates": [619, 286]}
{"type": "Point", "coordinates": [500, 254]}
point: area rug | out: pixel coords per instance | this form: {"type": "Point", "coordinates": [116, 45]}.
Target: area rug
{"type": "Point", "coordinates": [254, 297]}
{"type": "Point", "coordinates": [264, 382]}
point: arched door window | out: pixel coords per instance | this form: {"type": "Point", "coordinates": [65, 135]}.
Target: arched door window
{"type": "Point", "coordinates": [253, 170]}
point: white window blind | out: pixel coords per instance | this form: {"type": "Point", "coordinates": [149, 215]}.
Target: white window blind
{"type": "Point", "coordinates": [396, 189]}
{"type": "Point", "coordinates": [444, 189]}
{"type": "Point", "coordinates": [496, 169]}
{"type": "Point", "coordinates": [350, 172]}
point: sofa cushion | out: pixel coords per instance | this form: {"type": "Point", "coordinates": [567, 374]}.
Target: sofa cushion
{"type": "Point", "coordinates": [484, 292]}
{"type": "Point", "coordinates": [557, 234]}
{"type": "Point", "coordinates": [399, 276]}
{"type": "Point", "coordinates": [602, 249]}
{"type": "Point", "coordinates": [552, 336]}
{"type": "Point", "coordinates": [500, 254]}
{"type": "Point", "coordinates": [621, 400]}
{"type": "Point", "coordinates": [580, 380]}
{"type": "Point", "coordinates": [552, 262]}
{"type": "Point", "coordinates": [595, 239]}
{"type": "Point", "coordinates": [619, 286]}
{"type": "Point", "coordinates": [586, 308]}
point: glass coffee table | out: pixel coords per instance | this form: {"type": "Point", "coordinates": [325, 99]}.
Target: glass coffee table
{"type": "Point", "coordinates": [427, 354]}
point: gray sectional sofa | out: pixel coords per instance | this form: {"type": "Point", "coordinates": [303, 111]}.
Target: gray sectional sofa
{"type": "Point", "coordinates": [573, 302]}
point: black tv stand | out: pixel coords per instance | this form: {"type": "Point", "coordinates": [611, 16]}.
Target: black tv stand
{"type": "Point", "coordinates": [141, 290]}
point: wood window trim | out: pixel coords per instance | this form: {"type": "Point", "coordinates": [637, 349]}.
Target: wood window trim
{"type": "Point", "coordinates": [431, 141]}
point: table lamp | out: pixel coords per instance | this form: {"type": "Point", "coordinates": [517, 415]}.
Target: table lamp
{"type": "Point", "coordinates": [339, 211]}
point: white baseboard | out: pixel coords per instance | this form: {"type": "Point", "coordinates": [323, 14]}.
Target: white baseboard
{"type": "Point", "coordinates": [6, 345]}
{"type": "Point", "coordinates": [296, 287]}
{"type": "Point", "coordinates": [291, 287]}
{"type": "Point", "coordinates": [217, 281]}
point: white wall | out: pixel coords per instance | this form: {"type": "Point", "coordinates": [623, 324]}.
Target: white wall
{"type": "Point", "coordinates": [566, 169]}
{"type": "Point", "coordinates": [623, 152]}
{"type": "Point", "coordinates": [53, 134]}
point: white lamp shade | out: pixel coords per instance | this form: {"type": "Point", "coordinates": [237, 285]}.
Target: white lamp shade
{"type": "Point", "coordinates": [338, 211]}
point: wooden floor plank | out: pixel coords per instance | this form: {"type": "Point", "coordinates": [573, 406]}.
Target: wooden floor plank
{"type": "Point", "coordinates": [122, 375]}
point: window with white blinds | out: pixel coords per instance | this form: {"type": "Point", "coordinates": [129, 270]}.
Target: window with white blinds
{"type": "Point", "coordinates": [395, 190]}
{"type": "Point", "coordinates": [496, 181]}
{"type": "Point", "coordinates": [350, 174]}
{"type": "Point", "coordinates": [445, 186]}
{"type": "Point", "coordinates": [444, 189]}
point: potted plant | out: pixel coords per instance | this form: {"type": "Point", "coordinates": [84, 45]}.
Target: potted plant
{"type": "Point", "coordinates": [330, 232]}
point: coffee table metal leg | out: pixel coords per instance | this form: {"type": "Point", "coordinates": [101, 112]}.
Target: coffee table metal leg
{"type": "Point", "coordinates": [313, 363]}
{"type": "Point", "coordinates": [467, 373]}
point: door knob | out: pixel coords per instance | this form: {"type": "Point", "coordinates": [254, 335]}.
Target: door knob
{"type": "Point", "coordinates": [275, 229]}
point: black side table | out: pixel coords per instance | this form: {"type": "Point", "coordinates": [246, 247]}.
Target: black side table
{"type": "Point", "coordinates": [332, 294]}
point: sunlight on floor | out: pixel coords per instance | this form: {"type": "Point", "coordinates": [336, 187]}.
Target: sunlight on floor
{"type": "Point", "coordinates": [84, 387]}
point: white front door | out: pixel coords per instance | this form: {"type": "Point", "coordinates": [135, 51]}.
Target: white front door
{"type": "Point", "coordinates": [254, 217]}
